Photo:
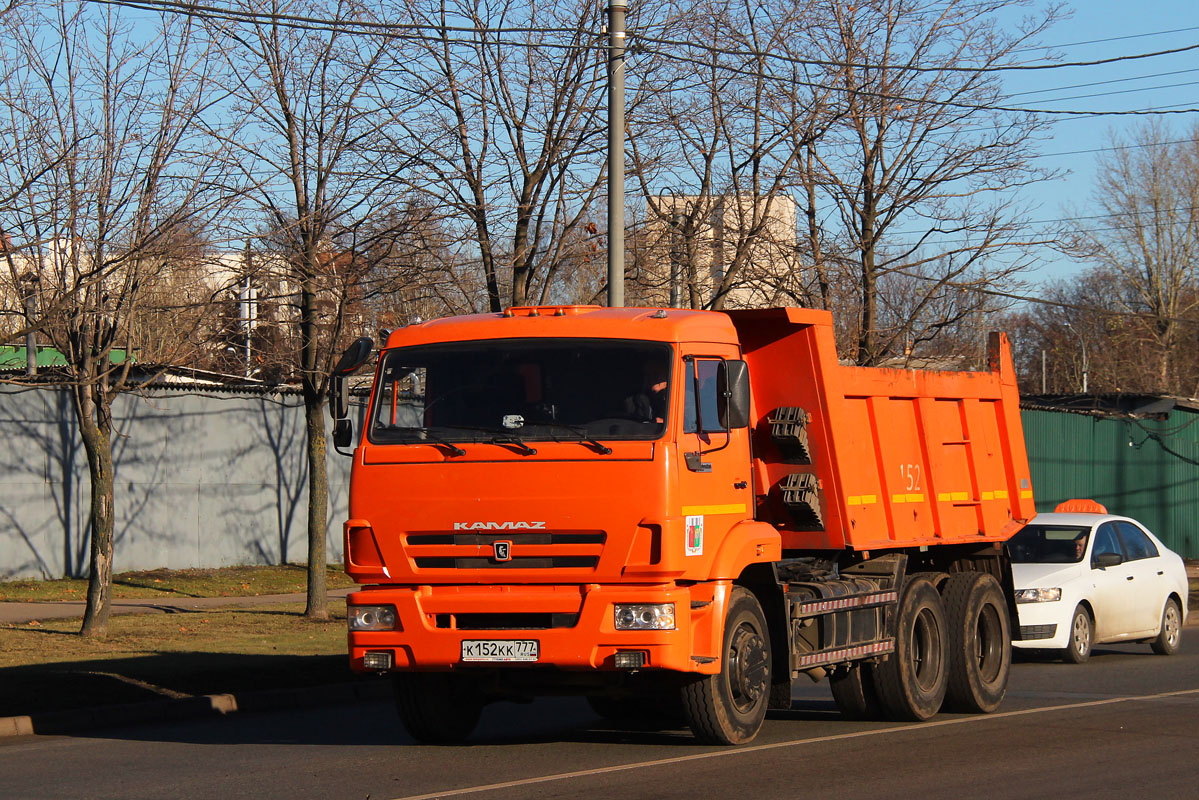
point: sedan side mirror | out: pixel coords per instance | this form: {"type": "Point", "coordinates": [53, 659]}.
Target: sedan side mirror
{"type": "Point", "coordinates": [1105, 560]}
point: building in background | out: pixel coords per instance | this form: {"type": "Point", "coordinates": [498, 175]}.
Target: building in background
{"type": "Point", "coordinates": [688, 245]}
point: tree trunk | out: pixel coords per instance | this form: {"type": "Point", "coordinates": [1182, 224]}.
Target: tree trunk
{"type": "Point", "coordinates": [318, 510]}
{"type": "Point", "coordinates": [318, 478]}
{"type": "Point", "coordinates": [95, 425]}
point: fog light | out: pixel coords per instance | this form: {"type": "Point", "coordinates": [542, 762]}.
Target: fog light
{"type": "Point", "coordinates": [377, 659]}
{"type": "Point", "coordinates": [630, 659]}
{"type": "Point", "coordinates": [645, 617]}
{"type": "Point", "coordinates": [371, 618]}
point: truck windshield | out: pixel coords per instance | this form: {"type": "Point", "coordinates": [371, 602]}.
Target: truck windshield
{"type": "Point", "coordinates": [527, 389]}
{"type": "Point", "coordinates": [1048, 544]}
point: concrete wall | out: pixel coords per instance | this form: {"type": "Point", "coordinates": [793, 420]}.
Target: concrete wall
{"type": "Point", "coordinates": [201, 481]}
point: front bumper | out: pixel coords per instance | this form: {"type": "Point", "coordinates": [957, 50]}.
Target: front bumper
{"type": "Point", "coordinates": [1038, 619]}
{"type": "Point", "coordinates": [429, 636]}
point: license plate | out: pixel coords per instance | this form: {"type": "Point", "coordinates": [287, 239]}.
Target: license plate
{"type": "Point", "coordinates": [500, 650]}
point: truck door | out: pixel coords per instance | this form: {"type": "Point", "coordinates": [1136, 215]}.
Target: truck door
{"type": "Point", "coordinates": [714, 465]}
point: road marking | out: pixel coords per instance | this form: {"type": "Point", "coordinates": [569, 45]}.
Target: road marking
{"type": "Point", "coordinates": [586, 773]}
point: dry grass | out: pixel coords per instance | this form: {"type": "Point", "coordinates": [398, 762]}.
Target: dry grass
{"type": "Point", "coordinates": [224, 582]}
{"type": "Point", "coordinates": [46, 666]}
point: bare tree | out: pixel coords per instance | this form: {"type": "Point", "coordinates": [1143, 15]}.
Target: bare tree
{"type": "Point", "coordinates": [1147, 238]}
{"type": "Point", "coordinates": [509, 131]}
{"type": "Point", "coordinates": [920, 167]}
{"type": "Point", "coordinates": [111, 169]}
{"type": "Point", "coordinates": [718, 130]}
{"type": "Point", "coordinates": [317, 115]}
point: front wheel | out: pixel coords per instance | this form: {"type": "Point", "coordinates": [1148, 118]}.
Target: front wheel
{"type": "Point", "coordinates": [436, 707]}
{"type": "Point", "coordinates": [1078, 649]}
{"type": "Point", "coordinates": [728, 708]}
{"type": "Point", "coordinates": [1170, 638]}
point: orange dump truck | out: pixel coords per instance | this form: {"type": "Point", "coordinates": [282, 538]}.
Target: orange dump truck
{"type": "Point", "coordinates": [676, 513]}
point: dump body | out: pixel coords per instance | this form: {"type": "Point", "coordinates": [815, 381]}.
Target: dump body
{"type": "Point", "coordinates": [616, 493]}
{"type": "Point", "coordinates": [904, 458]}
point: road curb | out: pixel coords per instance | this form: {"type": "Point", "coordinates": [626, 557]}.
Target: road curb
{"type": "Point", "coordinates": [209, 705]}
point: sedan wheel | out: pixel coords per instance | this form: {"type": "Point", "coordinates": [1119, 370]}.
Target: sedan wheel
{"type": "Point", "coordinates": [1079, 648]}
{"type": "Point", "coordinates": [1167, 641]}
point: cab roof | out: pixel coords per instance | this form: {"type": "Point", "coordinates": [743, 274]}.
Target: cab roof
{"type": "Point", "coordinates": [650, 324]}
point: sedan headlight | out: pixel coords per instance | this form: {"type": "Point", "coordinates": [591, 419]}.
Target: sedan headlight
{"type": "Point", "coordinates": [645, 617]}
{"type": "Point", "coordinates": [371, 618]}
{"type": "Point", "coordinates": [1038, 595]}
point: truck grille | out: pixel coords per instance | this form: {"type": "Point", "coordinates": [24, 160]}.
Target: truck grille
{"type": "Point", "coordinates": [530, 550]}
{"type": "Point", "coordinates": [506, 622]}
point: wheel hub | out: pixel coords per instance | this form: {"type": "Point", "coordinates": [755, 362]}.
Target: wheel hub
{"type": "Point", "coordinates": [747, 667]}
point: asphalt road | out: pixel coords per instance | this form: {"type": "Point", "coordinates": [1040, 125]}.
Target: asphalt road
{"type": "Point", "coordinates": [1124, 725]}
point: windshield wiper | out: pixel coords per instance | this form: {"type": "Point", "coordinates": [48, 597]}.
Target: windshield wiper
{"type": "Point", "coordinates": [425, 435]}
{"type": "Point", "coordinates": [584, 437]}
{"type": "Point", "coordinates": [515, 442]}
{"type": "Point", "coordinates": [498, 437]}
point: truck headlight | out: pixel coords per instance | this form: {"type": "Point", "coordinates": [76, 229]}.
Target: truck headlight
{"type": "Point", "coordinates": [645, 617]}
{"type": "Point", "coordinates": [1038, 595]}
{"type": "Point", "coordinates": [371, 618]}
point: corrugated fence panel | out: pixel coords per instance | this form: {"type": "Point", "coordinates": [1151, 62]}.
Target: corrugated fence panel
{"type": "Point", "coordinates": [1144, 469]}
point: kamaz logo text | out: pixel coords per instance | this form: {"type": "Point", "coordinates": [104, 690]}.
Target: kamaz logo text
{"type": "Point", "coordinates": [499, 526]}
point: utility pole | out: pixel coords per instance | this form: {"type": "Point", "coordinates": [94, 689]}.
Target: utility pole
{"type": "Point", "coordinates": [616, 47]}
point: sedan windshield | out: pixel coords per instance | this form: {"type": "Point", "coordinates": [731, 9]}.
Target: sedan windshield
{"type": "Point", "coordinates": [522, 390]}
{"type": "Point", "coordinates": [1049, 544]}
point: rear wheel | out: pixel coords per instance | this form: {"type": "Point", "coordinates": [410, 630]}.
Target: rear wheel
{"type": "Point", "coordinates": [911, 683]}
{"type": "Point", "coordinates": [437, 707]}
{"type": "Point", "coordinates": [728, 708]}
{"type": "Point", "coordinates": [1168, 641]}
{"type": "Point", "coordinates": [1078, 649]}
{"type": "Point", "coordinates": [980, 643]}
{"type": "Point", "coordinates": [854, 694]}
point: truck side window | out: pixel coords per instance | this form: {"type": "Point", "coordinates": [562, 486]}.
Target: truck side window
{"type": "Point", "coordinates": [706, 370]}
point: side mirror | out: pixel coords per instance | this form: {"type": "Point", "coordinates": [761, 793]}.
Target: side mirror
{"type": "Point", "coordinates": [1105, 560]}
{"type": "Point", "coordinates": [354, 357]}
{"type": "Point", "coordinates": [343, 433]}
{"type": "Point", "coordinates": [732, 384]}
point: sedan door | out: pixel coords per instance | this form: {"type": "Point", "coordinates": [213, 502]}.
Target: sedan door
{"type": "Point", "coordinates": [1149, 586]}
{"type": "Point", "coordinates": [1110, 586]}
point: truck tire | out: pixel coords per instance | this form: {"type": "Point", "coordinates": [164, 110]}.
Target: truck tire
{"type": "Point", "coordinates": [854, 694]}
{"type": "Point", "coordinates": [911, 683]}
{"type": "Point", "coordinates": [436, 707]}
{"type": "Point", "coordinates": [1170, 637]}
{"type": "Point", "coordinates": [980, 642]}
{"type": "Point", "coordinates": [728, 708]}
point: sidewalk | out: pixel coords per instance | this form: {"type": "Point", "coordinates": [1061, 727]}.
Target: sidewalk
{"type": "Point", "coordinates": [19, 613]}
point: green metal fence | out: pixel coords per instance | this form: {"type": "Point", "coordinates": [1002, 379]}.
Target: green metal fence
{"type": "Point", "coordinates": [1145, 469]}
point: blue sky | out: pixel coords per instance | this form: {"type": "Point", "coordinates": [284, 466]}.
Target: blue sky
{"type": "Point", "coordinates": [1128, 28]}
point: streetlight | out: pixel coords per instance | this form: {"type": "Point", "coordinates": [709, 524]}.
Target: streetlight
{"type": "Point", "coordinates": [1082, 342]}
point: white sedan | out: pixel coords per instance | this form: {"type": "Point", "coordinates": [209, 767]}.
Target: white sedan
{"type": "Point", "coordinates": [1083, 577]}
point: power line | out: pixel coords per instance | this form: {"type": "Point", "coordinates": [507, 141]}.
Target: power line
{"type": "Point", "coordinates": [816, 62]}
{"type": "Point", "coordinates": [1116, 147]}
{"type": "Point", "coordinates": [1103, 83]}
{"type": "Point", "coordinates": [194, 9]}
{"type": "Point", "coordinates": [1178, 108]}
{"type": "Point", "coordinates": [1121, 91]}
{"type": "Point", "coordinates": [1108, 39]}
